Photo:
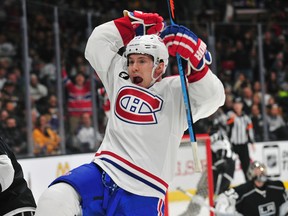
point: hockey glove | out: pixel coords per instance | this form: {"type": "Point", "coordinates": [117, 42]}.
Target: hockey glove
{"type": "Point", "coordinates": [145, 23]}
{"type": "Point", "coordinates": [181, 40]}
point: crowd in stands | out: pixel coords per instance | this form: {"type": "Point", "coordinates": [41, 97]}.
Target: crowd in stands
{"type": "Point", "coordinates": [236, 59]}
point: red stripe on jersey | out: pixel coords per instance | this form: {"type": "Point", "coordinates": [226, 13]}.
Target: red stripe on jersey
{"type": "Point", "coordinates": [133, 166]}
{"type": "Point", "coordinates": [159, 207]}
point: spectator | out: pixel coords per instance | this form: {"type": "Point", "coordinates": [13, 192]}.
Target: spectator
{"type": "Point", "coordinates": [277, 127]}
{"type": "Point", "coordinates": [38, 91]}
{"type": "Point", "coordinates": [10, 93]}
{"type": "Point", "coordinates": [257, 121]}
{"type": "Point", "coordinates": [87, 141]}
{"type": "Point", "coordinates": [272, 83]}
{"type": "Point", "coordinates": [247, 98]}
{"type": "Point", "coordinates": [228, 106]}
{"type": "Point", "coordinates": [241, 82]}
{"type": "Point", "coordinates": [6, 62]}
{"type": "Point", "coordinates": [3, 78]}
{"type": "Point", "coordinates": [269, 49]}
{"type": "Point", "coordinates": [6, 47]}
{"type": "Point", "coordinates": [34, 117]}
{"type": "Point", "coordinates": [12, 110]}
{"type": "Point", "coordinates": [229, 12]}
{"type": "Point", "coordinates": [46, 141]}
{"type": "Point", "coordinates": [3, 116]}
{"type": "Point", "coordinates": [15, 76]}
{"type": "Point", "coordinates": [242, 59]}
{"type": "Point", "coordinates": [78, 97]}
{"type": "Point", "coordinates": [240, 131]}
{"type": "Point", "coordinates": [256, 99]}
{"type": "Point", "coordinates": [80, 66]}
{"type": "Point", "coordinates": [14, 136]}
{"type": "Point", "coordinates": [47, 76]}
{"type": "Point", "coordinates": [279, 67]}
{"type": "Point", "coordinates": [257, 90]}
{"type": "Point", "coordinates": [51, 111]}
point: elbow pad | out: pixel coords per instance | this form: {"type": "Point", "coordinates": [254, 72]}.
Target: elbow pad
{"type": "Point", "coordinates": [6, 172]}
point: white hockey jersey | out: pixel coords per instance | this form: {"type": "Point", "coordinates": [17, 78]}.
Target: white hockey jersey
{"type": "Point", "coordinates": [145, 127]}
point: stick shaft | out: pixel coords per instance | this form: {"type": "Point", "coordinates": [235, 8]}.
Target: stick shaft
{"type": "Point", "coordinates": [197, 163]}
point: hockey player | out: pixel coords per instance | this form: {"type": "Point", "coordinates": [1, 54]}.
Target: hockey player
{"type": "Point", "coordinates": [223, 159]}
{"type": "Point", "coordinates": [258, 196]}
{"type": "Point", "coordinates": [15, 197]}
{"type": "Point", "coordinates": [136, 161]}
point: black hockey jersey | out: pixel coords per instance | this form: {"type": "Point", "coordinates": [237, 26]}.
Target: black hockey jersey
{"type": "Point", "coordinates": [18, 195]}
{"type": "Point", "coordinates": [265, 201]}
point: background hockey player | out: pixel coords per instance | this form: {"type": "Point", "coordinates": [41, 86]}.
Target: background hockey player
{"type": "Point", "coordinates": [258, 196]}
{"type": "Point", "coordinates": [223, 160]}
{"type": "Point", "coordinates": [15, 196]}
{"type": "Point", "coordinates": [136, 161]}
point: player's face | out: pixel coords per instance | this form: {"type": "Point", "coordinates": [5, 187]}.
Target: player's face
{"type": "Point", "coordinates": [140, 68]}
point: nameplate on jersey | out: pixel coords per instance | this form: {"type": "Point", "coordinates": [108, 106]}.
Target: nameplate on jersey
{"type": "Point", "coordinates": [137, 106]}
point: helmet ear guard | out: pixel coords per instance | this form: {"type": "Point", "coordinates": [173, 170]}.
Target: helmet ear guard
{"type": "Point", "coordinates": [257, 171]}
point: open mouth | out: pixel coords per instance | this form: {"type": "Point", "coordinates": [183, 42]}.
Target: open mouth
{"type": "Point", "coordinates": [136, 80]}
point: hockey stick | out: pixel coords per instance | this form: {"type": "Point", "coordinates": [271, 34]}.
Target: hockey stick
{"type": "Point", "coordinates": [200, 201]}
{"type": "Point", "coordinates": [198, 168]}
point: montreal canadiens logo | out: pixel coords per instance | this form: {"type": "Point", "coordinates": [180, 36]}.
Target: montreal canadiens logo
{"type": "Point", "coordinates": [137, 106]}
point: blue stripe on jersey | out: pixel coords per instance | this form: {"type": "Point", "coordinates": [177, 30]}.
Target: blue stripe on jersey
{"type": "Point", "coordinates": [133, 175]}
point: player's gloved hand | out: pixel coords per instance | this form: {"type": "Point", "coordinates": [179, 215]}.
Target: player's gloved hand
{"type": "Point", "coordinates": [145, 23]}
{"type": "Point", "coordinates": [181, 40]}
{"type": "Point", "coordinates": [225, 203]}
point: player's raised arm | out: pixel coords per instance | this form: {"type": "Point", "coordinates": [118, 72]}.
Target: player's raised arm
{"type": "Point", "coordinates": [106, 39]}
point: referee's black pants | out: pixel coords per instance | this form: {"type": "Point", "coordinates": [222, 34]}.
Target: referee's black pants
{"type": "Point", "coordinates": [243, 153]}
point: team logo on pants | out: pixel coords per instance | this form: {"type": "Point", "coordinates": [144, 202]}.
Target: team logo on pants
{"type": "Point", "coordinates": [137, 106]}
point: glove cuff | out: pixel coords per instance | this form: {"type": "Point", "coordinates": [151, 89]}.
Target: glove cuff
{"type": "Point", "coordinates": [197, 75]}
{"type": "Point", "coordinates": [125, 29]}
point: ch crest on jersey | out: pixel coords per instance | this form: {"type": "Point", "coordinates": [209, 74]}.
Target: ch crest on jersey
{"type": "Point", "coordinates": [137, 106]}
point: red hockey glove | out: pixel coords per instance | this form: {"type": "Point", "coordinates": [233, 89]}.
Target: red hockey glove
{"type": "Point", "coordinates": [145, 23]}
{"type": "Point", "coordinates": [181, 40]}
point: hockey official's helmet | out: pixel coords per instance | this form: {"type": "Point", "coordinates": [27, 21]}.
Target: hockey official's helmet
{"type": "Point", "coordinates": [151, 45]}
{"type": "Point", "coordinates": [257, 171]}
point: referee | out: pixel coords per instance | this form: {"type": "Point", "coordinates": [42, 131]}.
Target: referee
{"type": "Point", "coordinates": [15, 197]}
{"type": "Point", "coordinates": [241, 133]}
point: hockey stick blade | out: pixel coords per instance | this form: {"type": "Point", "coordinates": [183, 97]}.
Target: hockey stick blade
{"type": "Point", "coordinates": [200, 201]}
{"type": "Point", "coordinates": [197, 168]}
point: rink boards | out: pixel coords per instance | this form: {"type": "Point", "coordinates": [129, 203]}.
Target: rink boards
{"type": "Point", "coordinates": [39, 172]}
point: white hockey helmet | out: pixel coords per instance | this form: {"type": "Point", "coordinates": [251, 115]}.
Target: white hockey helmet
{"type": "Point", "coordinates": [257, 171]}
{"type": "Point", "coordinates": [149, 44]}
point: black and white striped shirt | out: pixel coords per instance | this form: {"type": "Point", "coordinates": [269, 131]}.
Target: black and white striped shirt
{"type": "Point", "coordinates": [240, 129]}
